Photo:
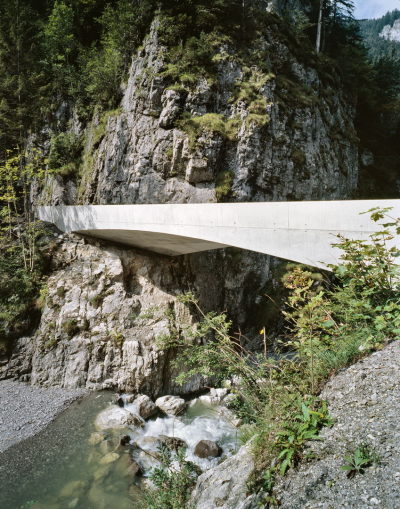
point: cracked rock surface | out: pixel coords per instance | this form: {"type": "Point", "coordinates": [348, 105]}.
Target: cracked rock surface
{"type": "Point", "coordinates": [364, 401]}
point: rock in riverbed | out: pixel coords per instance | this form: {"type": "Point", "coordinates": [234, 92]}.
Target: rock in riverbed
{"type": "Point", "coordinates": [171, 405]}
{"type": "Point", "coordinates": [116, 417]}
{"type": "Point", "coordinates": [207, 449]}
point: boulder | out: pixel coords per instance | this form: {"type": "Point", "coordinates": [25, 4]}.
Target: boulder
{"type": "Point", "coordinates": [145, 406]}
{"type": "Point", "coordinates": [207, 449]}
{"type": "Point", "coordinates": [225, 486]}
{"type": "Point", "coordinates": [171, 405]}
{"type": "Point", "coordinates": [116, 417]}
{"type": "Point", "coordinates": [173, 443]}
{"type": "Point", "coordinates": [214, 397]}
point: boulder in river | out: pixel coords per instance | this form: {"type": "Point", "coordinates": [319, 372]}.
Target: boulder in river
{"type": "Point", "coordinates": [207, 449]}
{"type": "Point", "coordinates": [173, 443]}
{"type": "Point", "coordinates": [124, 440]}
{"type": "Point", "coordinates": [116, 417]}
{"type": "Point", "coordinates": [145, 406]}
{"type": "Point", "coordinates": [171, 405]}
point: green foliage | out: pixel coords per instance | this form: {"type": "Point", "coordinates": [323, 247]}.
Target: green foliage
{"type": "Point", "coordinates": [65, 153]}
{"type": "Point", "coordinates": [22, 254]}
{"type": "Point", "coordinates": [249, 91]}
{"type": "Point", "coordinates": [303, 427]}
{"type": "Point", "coordinates": [70, 327]}
{"type": "Point", "coordinates": [361, 458]}
{"type": "Point", "coordinates": [173, 481]}
{"type": "Point", "coordinates": [223, 185]}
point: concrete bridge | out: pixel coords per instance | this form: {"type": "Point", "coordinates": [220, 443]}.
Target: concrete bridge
{"type": "Point", "coordinates": [298, 231]}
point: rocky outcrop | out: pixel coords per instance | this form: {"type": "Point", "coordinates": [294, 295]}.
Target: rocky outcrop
{"type": "Point", "coordinates": [291, 139]}
{"type": "Point", "coordinates": [364, 403]}
{"type": "Point", "coordinates": [391, 32]}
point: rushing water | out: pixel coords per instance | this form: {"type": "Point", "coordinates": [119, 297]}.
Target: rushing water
{"type": "Point", "coordinates": [64, 468]}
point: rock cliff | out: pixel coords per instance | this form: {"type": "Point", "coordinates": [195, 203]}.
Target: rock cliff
{"type": "Point", "coordinates": [246, 135]}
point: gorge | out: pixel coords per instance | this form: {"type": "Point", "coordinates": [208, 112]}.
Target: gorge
{"type": "Point", "coordinates": [215, 105]}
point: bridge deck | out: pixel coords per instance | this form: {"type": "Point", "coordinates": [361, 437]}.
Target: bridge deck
{"type": "Point", "coordinates": [297, 231]}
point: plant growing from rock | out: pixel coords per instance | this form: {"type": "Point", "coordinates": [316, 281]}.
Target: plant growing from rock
{"type": "Point", "coordinates": [361, 458]}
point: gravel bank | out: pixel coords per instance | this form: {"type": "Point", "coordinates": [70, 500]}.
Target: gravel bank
{"type": "Point", "coordinates": [364, 400]}
{"type": "Point", "coordinates": [25, 410]}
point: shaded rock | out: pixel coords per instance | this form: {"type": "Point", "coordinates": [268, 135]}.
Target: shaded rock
{"type": "Point", "coordinates": [207, 449]}
{"type": "Point", "coordinates": [224, 486]}
{"type": "Point", "coordinates": [109, 458]}
{"type": "Point", "coordinates": [127, 467]}
{"type": "Point", "coordinates": [116, 417]}
{"type": "Point", "coordinates": [124, 440]}
{"type": "Point", "coordinates": [171, 405]}
{"type": "Point", "coordinates": [145, 406]}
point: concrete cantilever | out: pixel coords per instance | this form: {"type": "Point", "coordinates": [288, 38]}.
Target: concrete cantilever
{"type": "Point", "coordinates": [297, 231]}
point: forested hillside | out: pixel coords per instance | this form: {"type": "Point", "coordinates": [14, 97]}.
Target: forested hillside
{"type": "Point", "coordinates": [377, 45]}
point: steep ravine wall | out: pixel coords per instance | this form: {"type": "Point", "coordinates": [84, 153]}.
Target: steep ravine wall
{"type": "Point", "coordinates": [96, 329]}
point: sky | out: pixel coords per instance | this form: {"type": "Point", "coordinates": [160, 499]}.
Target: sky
{"type": "Point", "coordinates": [374, 8]}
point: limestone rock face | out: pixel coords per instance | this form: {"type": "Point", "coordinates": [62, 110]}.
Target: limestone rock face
{"type": "Point", "coordinates": [106, 306]}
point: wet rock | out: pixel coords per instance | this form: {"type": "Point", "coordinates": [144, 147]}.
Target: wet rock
{"type": "Point", "coordinates": [145, 406]}
{"type": "Point", "coordinates": [107, 446]}
{"type": "Point", "coordinates": [109, 458]}
{"type": "Point", "coordinates": [95, 438]}
{"type": "Point", "coordinates": [171, 405]}
{"type": "Point", "coordinates": [116, 417]}
{"type": "Point", "coordinates": [124, 440]}
{"type": "Point", "coordinates": [127, 467]}
{"type": "Point", "coordinates": [102, 472]}
{"type": "Point", "coordinates": [207, 449]}
{"type": "Point", "coordinates": [173, 443]}
{"type": "Point", "coordinates": [73, 489]}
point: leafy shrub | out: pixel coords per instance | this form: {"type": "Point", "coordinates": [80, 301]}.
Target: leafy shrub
{"type": "Point", "coordinates": [173, 481]}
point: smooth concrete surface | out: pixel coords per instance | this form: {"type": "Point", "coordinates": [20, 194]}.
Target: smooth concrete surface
{"type": "Point", "coordinates": [298, 231]}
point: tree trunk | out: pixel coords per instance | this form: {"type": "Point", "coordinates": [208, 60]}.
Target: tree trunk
{"type": "Point", "coordinates": [319, 27]}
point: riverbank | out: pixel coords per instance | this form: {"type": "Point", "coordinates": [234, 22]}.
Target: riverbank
{"type": "Point", "coordinates": [26, 410]}
{"type": "Point", "coordinates": [364, 402]}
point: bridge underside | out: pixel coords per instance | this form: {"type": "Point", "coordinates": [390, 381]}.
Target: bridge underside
{"type": "Point", "coordinates": [167, 244]}
{"type": "Point", "coordinates": [299, 231]}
